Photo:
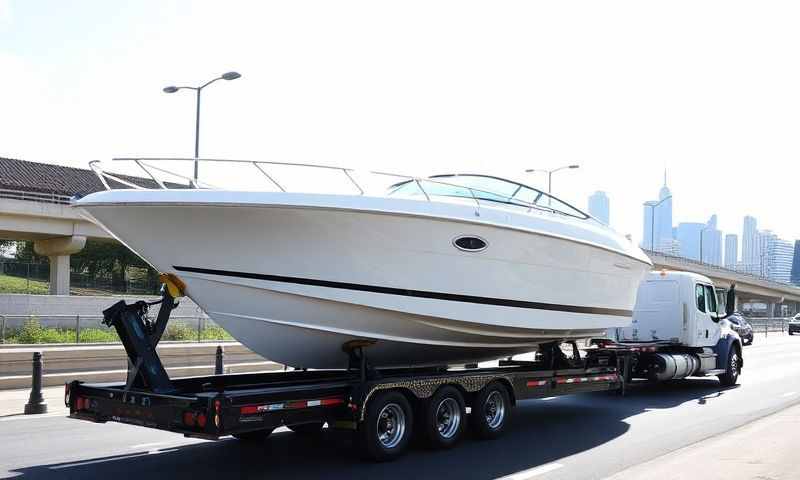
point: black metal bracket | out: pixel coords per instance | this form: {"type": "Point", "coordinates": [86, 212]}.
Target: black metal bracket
{"type": "Point", "coordinates": [140, 337]}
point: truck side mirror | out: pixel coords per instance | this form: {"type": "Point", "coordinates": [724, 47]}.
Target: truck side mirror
{"type": "Point", "coordinates": [730, 300]}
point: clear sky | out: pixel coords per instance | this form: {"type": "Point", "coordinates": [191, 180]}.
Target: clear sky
{"type": "Point", "coordinates": [709, 90]}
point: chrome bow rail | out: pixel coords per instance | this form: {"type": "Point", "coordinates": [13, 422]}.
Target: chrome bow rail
{"type": "Point", "coordinates": [542, 202]}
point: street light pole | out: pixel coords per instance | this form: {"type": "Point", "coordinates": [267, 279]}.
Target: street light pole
{"type": "Point", "coordinates": [550, 174]}
{"type": "Point", "coordinates": [173, 89]}
{"type": "Point", "coordinates": [653, 219]}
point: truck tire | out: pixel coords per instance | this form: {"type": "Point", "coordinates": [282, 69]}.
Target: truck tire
{"type": "Point", "coordinates": [732, 368]}
{"type": "Point", "coordinates": [490, 411]}
{"type": "Point", "coordinates": [254, 436]}
{"type": "Point", "coordinates": [386, 430]}
{"type": "Point", "coordinates": [307, 428]}
{"type": "Point", "coordinates": [443, 418]}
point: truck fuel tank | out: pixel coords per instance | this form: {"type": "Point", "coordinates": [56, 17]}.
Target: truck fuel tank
{"type": "Point", "coordinates": [673, 366]}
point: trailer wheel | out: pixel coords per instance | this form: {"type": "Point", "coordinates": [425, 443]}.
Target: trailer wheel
{"type": "Point", "coordinates": [386, 430]}
{"type": "Point", "coordinates": [490, 411]}
{"type": "Point", "coordinates": [307, 428]}
{"type": "Point", "coordinates": [254, 436]}
{"type": "Point", "coordinates": [443, 418]}
{"type": "Point", "coordinates": [732, 369]}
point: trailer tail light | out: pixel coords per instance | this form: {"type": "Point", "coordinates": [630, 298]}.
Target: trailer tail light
{"type": "Point", "coordinates": [201, 420]}
{"type": "Point", "coordinates": [217, 411]}
{"type": "Point", "coordinates": [189, 419]}
{"type": "Point", "coordinates": [66, 394]}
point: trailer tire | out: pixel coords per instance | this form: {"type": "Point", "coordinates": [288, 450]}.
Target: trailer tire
{"type": "Point", "coordinates": [732, 368]}
{"type": "Point", "coordinates": [307, 428]}
{"type": "Point", "coordinates": [490, 411]}
{"type": "Point", "coordinates": [443, 418]}
{"type": "Point", "coordinates": [387, 427]}
{"type": "Point", "coordinates": [254, 436]}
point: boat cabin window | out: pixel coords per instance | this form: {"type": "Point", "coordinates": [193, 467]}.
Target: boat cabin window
{"type": "Point", "coordinates": [700, 293]}
{"type": "Point", "coordinates": [481, 187]}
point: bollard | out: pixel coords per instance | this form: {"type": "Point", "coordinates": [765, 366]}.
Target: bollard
{"type": "Point", "coordinates": [36, 403]}
{"type": "Point", "coordinates": [218, 365]}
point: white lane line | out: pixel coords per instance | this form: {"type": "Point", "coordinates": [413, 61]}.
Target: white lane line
{"type": "Point", "coordinates": [548, 398]}
{"type": "Point", "coordinates": [789, 394]}
{"type": "Point", "coordinates": [112, 459]}
{"type": "Point", "coordinates": [32, 417]}
{"type": "Point", "coordinates": [532, 472]}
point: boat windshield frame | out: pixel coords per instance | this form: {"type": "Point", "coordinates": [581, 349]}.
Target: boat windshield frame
{"type": "Point", "coordinates": [551, 203]}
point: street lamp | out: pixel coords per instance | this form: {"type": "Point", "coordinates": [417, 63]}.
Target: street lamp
{"type": "Point", "coordinates": [173, 89]}
{"type": "Point", "coordinates": [550, 174]}
{"type": "Point", "coordinates": [653, 218]}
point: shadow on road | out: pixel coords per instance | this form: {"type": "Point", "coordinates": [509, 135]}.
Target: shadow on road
{"type": "Point", "coordinates": [541, 432]}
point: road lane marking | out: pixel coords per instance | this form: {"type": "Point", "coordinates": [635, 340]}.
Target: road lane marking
{"type": "Point", "coordinates": [32, 417]}
{"type": "Point", "coordinates": [112, 459]}
{"type": "Point", "coordinates": [789, 394]}
{"type": "Point", "coordinates": [548, 398]}
{"type": "Point", "coordinates": [532, 472]}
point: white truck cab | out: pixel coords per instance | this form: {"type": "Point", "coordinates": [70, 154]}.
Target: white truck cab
{"type": "Point", "coordinates": [679, 307]}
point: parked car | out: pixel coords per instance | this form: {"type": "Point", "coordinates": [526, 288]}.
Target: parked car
{"type": "Point", "coordinates": [794, 325]}
{"type": "Point", "coordinates": [743, 328]}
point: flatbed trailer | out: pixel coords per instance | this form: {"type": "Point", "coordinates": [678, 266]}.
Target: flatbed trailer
{"type": "Point", "coordinates": [382, 407]}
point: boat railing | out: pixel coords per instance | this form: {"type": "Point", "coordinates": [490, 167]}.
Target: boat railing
{"type": "Point", "coordinates": [152, 173]}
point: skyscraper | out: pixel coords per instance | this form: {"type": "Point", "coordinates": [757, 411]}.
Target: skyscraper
{"type": "Point", "coordinates": [689, 239]}
{"type": "Point", "coordinates": [795, 276]}
{"type": "Point", "coordinates": [657, 232]}
{"type": "Point", "coordinates": [731, 250]}
{"type": "Point", "coordinates": [599, 206]}
{"type": "Point", "coordinates": [712, 242]}
{"type": "Point", "coordinates": [779, 255]}
{"type": "Point", "coordinates": [751, 252]}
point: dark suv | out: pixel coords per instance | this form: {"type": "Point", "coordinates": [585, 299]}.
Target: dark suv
{"type": "Point", "coordinates": [744, 329]}
{"type": "Point", "coordinates": [794, 325]}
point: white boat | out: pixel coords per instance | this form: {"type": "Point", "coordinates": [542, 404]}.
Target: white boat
{"type": "Point", "coordinates": [443, 270]}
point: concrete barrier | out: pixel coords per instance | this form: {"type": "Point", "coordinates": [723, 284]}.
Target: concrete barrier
{"type": "Point", "coordinates": [101, 363]}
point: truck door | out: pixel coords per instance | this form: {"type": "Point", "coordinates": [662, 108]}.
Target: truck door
{"type": "Point", "coordinates": [707, 331]}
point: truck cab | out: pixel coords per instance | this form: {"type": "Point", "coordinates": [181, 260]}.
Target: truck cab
{"type": "Point", "coordinates": [678, 321]}
{"type": "Point", "coordinates": [679, 307]}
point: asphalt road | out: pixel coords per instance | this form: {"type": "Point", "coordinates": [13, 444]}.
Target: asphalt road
{"type": "Point", "coordinates": [587, 436]}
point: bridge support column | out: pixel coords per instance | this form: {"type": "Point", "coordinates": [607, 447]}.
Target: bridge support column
{"type": "Point", "coordinates": [58, 251]}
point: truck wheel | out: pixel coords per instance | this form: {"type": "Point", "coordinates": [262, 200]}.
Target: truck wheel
{"type": "Point", "coordinates": [307, 428]}
{"type": "Point", "coordinates": [254, 436]}
{"type": "Point", "coordinates": [731, 375]}
{"type": "Point", "coordinates": [386, 430]}
{"type": "Point", "coordinates": [490, 410]}
{"type": "Point", "coordinates": [443, 418]}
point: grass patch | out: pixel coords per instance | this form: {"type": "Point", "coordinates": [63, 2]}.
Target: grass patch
{"type": "Point", "coordinates": [9, 284]}
{"type": "Point", "coordinates": [33, 332]}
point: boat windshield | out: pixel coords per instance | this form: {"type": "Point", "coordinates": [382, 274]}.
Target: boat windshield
{"type": "Point", "coordinates": [482, 187]}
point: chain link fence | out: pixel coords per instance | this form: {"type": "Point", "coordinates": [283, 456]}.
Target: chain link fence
{"type": "Point", "coordinates": [34, 278]}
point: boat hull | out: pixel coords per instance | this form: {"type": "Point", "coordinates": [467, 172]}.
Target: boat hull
{"type": "Point", "coordinates": [296, 280]}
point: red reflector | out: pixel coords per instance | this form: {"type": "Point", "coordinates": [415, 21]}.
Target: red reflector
{"type": "Point", "coordinates": [248, 409]}
{"type": "Point", "coordinates": [297, 404]}
{"type": "Point", "coordinates": [188, 419]}
{"type": "Point", "coordinates": [80, 403]}
{"type": "Point", "coordinates": [332, 401]}
{"type": "Point", "coordinates": [201, 421]}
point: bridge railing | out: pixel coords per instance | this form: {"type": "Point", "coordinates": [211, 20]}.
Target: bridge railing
{"type": "Point", "coordinates": [769, 324]}
{"type": "Point", "coordinates": [34, 196]}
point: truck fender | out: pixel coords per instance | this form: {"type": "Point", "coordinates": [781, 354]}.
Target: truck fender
{"type": "Point", "coordinates": [723, 347]}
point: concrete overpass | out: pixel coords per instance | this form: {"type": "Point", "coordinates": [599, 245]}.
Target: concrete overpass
{"type": "Point", "coordinates": [749, 288]}
{"type": "Point", "coordinates": [56, 229]}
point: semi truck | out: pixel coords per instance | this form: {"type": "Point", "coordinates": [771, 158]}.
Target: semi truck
{"type": "Point", "coordinates": [677, 331]}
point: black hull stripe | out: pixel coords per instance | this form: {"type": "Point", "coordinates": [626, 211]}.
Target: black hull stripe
{"type": "Point", "coordinates": [412, 293]}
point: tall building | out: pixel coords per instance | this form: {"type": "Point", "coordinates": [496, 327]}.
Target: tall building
{"type": "Point", "coordinates": [795, 276]}
{"type": "Point", "coordinates": [731, 250]}
{"type": "Point", "coordinates": [599, 206]}
{"type": "Point", "coordinates": [688, 236]}
{"type": "Point", "coordinates": [711, 242]}
{"type": "Point", "coordinates": [751, 248]}
{"type": "Point", "coordinates": [778, 258]}
{"type": "Point", "coordinates": [657, 232]}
